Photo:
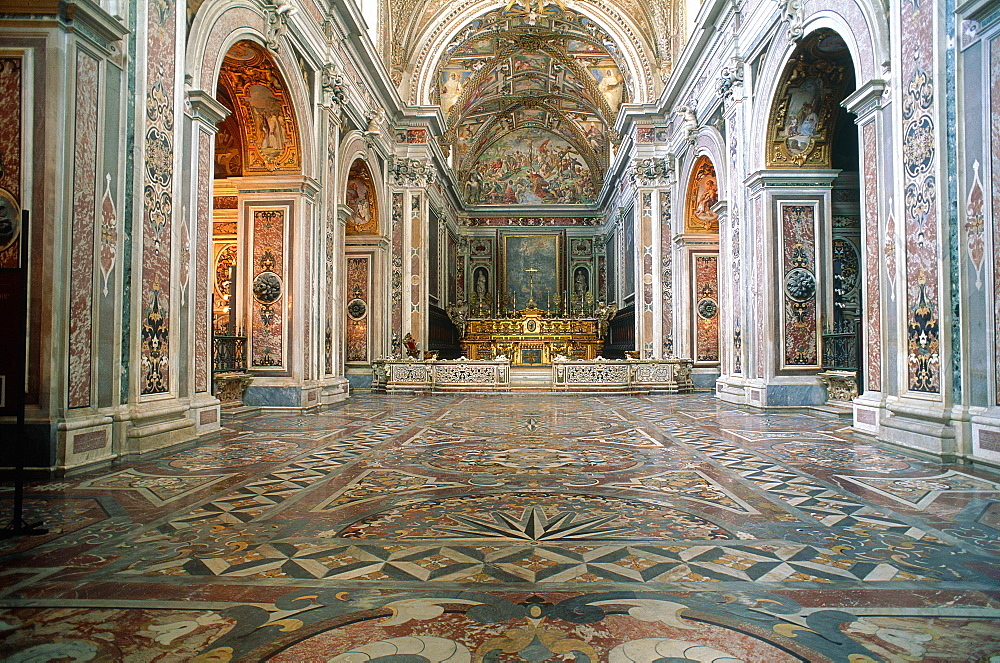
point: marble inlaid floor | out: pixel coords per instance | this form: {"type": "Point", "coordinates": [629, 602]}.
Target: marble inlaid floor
{"type": "Point", "coordinates": [528, 528]}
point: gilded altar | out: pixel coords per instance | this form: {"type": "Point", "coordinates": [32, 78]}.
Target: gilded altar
{"type": "Point", "coordinates": [532, 338]}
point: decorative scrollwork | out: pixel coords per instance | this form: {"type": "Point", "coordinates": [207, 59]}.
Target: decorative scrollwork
{"type": "Point", "coordinates": [649, 171]}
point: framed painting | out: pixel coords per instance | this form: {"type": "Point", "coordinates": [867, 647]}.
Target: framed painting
{"type": "Point", "coordinates": [522, 251]}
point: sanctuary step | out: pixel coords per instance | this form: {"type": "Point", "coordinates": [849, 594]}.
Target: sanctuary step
{"type": "Point", "coordinates": [522, 378]}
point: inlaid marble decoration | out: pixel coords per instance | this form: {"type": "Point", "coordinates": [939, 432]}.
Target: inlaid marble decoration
{"type": "Point", "coordinates": [995, 197]}
{"type": "Point", "coordinates": [358, 305]}
{"type": "Point", "coordinates": [798, 225]}
{"type": "Point", "coordinates": [873, 298]}
{"type": "Point", "coordinates": [81, 319]}
{"type": "Point", "coordinates": [889, 249]}
{"type": "Point", "coordinates": [757, 290]}
{"type": "Point", "coordinates": [975, 225]}
{"type": "Point", "coordinates": [416, 273]}
{"type": "Point", "coordinates": [920, 219]}
{"type": "Point", "coordinates": [203, 248]}
{"type": "Point", "coordinates": [10, 151]}
{"type": "Point", "coordinates": [666, 274]}
{"type": "Point", "coordinates": [646, 249]}
{"type": "Point", "coordinates": [330, 248]}
{"type": "Point", "coordinates": [158, 198]}
{"type": "Point", "coordinates": [706, 308]}
{"type": "Point", "coordinates": [109, 234]}
{"type": "Point", "coordinates": [736, 267]}
{"type": "Point", "coordinates": [397, 266]}
{"type": "Point", "coordinates": [268, 289]}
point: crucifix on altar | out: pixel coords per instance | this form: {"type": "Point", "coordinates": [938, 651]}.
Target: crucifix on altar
{"type": "Point", "coordinates": [531, 271]}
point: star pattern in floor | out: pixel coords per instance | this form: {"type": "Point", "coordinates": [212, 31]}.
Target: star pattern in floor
{"type": "Point", "coordinates": [512, 528]}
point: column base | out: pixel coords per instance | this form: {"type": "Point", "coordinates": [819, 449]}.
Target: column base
{"type": "Point", "coordinates": [920, 426]}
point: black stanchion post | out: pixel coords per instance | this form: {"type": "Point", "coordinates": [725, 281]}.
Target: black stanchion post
{"type": "Point", "coordinates": [15, 290]}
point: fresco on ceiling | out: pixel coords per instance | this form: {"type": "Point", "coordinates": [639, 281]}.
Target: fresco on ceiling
{"type": "Point", "coordinates": [530, 166]}
{"type": "Point", "coordinates": [610, 83]}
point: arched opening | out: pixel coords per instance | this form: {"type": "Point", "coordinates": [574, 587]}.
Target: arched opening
{"type": "Point", "coordinates": [818, 215]}
{"type": "Point", "coordinates": [702, 221]}
{"type": "Point", "coordinates": [362, 265]}
{"type": "Point", "coordinates": [257, 142]}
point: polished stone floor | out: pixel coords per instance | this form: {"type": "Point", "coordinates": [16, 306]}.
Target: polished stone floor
{"type": "Point", "coordinates": [528, 528]}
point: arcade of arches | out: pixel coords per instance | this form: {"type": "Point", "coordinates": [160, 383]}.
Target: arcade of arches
{"type": "Point", "coordinates": [232, 212]}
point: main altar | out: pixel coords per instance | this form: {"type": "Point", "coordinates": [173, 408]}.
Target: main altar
{"type": "Point", "coordinates": [533, 338]}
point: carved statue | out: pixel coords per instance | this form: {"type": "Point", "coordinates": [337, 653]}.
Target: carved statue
{"type": "Point", "coordinates": [604, 314]}
{"type": "Point", "coordinates": [410, 345]}
{"type": "Point", "coordinates": [458, 312]}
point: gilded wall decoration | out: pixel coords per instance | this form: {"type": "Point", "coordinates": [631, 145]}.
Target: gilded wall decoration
{"type": "Point", "coordinates": [920, 218]}
{"type": "Point", "coordinates": [225, 261]}
{"type": "Point", "coordinates": [804, 112]}
{"type": "Point", "coordinates": [798, 223]}
{"type": "Point", "coordinates": [263, 107]}
{"type": "Point", "coordinates": [361, 200]}
{"type": "Point", "coordinates": [703, 194]}
{"type": "Point", "coordinates": [158, 198]}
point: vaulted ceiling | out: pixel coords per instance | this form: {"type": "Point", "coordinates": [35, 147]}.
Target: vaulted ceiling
{"type": "Point", "coordinates": [530, 89]}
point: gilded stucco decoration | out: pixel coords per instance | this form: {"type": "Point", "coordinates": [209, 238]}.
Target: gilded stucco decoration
{"type": "Point", "coordinates": [703, 194]}
{"type": "Point", "coordinates": [530, 97]}
{"type": "Point", "coordinates": [263, 108]}
{"type": "Point", "coordinates": [804, 111]}
{"type": "Point", "coordinates": [361, 200]}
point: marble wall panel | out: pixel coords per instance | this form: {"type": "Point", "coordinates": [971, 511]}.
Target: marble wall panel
{"type": "Point", "coordinates": [920, 187]}
{"type": "Point", "coordinates": [416, 258]}
{"type": "Point", "coordinates": [798, 260]}
{"type": "Point", "coordinates": [994, 101]}
{"type": "Point", "coordinates": [358, 305]}
{"type": "Point", "coordinates": [706, 308]}
{"type": "Point", "coordinates": [666, 274]}
{"type": "Point", "coordinates": [873, 298]}
{"type": "Point", "coordinates": [269, 289]}
{"type": "Point", "coordinates": [158, 198]}
{"type": "Point", "coordinates": [81, 317]}
{"type": "Point", "coordinates": [330, 242]}
{"type": "Point", "coordinates": [646, 258]}
{"type": "Point", "coordinates": [203, 248]}
{"type": "Point", "coordinates": [397, 268]}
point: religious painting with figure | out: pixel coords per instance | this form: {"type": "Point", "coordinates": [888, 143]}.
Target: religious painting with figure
{"type": "Point", "coordinates": [541, 253]}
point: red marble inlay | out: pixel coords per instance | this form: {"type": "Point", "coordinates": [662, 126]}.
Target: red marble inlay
{"type": "Point", "coordinates": [799, 268]}
{"type": "Point", "coordinates": [89, 441]}
{"type": "Point", "coordinates": [208, 416]}
{"type": "Point", "coordinates": [873, 316]}
{"type": "Point", "coordinates": [267, 342]}
{"type": "Point", "coordinates": [706, 308]}
{"type": "Point", "coordinates": [10, 142]}
{"type": "Point", "coordinates": [203, 247]}
{"type": "Point", "coordinates": [81, 319]}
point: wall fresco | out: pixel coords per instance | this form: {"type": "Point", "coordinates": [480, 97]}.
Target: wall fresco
{"type": "Point", "coordinates": [702, 195]}
{"type": "Point", "coordinates": [920, 197]}
{"type": "Point", "coordinates": [81, 319]}
{"type": "Point", "coordinates": [270, 136]}
{"type": "Point", "coordinates": [873, 298]}
{"type": "Point", "coordinates": [361, 200]}
{"type": "Point", "coordinates": [521, 221]}
{"type": "Point", "coordinates": [798, 226]}
{"type": "Point", "coordinates": [268, 289]}
{"type": "Point", "coordinates": [358, 305]}
{"type": "Point", "coordinates": [158, 198]}
{"type": "Point", "coordinates": [706, 308]}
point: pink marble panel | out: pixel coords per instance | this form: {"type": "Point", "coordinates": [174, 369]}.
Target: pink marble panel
{"type": "Point", "coordinates": [798, 227]}
{"type": "Point", "coordinates": [237, 18]}
{"type": "Point", "coordinates": [81, 319]}
{"type": "Point", "coordinates": [666, 274]}
{"type": "Point", "coordinates": [397, 265]}
{"type": "Point", "coordinates": [84, 442]}
{"type": "Point", "coordinates": [706, 308]}
{"type": "Point", "coordinates": [331, 242]}
{"type": "Point", "coordinates": [873, 298]}
{"type": "Point", "coordinates": [203, 249]}
{"type": "Point", "coordinates": [267, 317]}
{"type": "Point", "coordinates": [357, 308]}
{"type": "Point", "coordinates": [416, 245]}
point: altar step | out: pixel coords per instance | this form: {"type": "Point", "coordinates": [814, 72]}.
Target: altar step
{"type": "Point", "coordinates": [528, 379]}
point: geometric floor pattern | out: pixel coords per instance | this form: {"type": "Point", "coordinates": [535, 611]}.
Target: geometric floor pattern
{"type": "Point", "coordinates": [512, 528]}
